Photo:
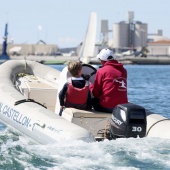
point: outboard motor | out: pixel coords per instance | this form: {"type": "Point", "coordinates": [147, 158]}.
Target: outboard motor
{"type": "Point", "coordinates": [128, 120]}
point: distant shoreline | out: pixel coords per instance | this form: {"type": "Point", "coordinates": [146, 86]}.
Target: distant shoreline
{"type": "Point", "coordinates": [158, 60]}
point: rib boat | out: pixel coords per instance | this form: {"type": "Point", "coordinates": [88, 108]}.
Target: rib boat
{"type": "Point", "coordinates": [29, 104]}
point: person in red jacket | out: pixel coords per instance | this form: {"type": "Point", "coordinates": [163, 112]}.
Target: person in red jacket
{"type": "Point", "coordinates": [110, 85]}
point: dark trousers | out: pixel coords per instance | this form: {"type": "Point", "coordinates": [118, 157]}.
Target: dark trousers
{"type": "Point", "coordinates": [96, 105]}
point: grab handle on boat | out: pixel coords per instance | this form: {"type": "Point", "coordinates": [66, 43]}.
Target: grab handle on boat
{"type": "Point", "coordinates": [28, 100]}
{"type": "Point", "coordinates": [40, 124]}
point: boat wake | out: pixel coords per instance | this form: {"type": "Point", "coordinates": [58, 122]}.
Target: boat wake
{"type": "Point", "coordinates": [18, 152]}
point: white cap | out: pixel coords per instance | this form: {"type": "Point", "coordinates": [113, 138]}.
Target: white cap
{"type": "Point", "coordinates": [106, 55]}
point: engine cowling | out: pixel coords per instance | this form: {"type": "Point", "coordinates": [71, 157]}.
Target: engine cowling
{"type": "Point", "coordinates": [128, 120]}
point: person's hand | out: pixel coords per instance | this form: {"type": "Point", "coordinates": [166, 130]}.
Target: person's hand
{"type": "Point", "coordinates": [91, 86]}
{"type": "Point", "coordinates": [61, 107]}
{"type": "Point", "coordinates": [61, 110]}
{"type": "Point", "coordinates": [86, 76]}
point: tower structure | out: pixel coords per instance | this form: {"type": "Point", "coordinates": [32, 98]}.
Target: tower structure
{"type": "Point", "coordinates": [104, 32]}
{"type": "Point", "coordinates": [129, 34]}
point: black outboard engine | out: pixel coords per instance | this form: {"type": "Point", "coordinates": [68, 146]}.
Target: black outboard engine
{"type": "Point", "coordinates": [128, 120]}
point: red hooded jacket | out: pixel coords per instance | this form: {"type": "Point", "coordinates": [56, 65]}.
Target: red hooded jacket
{"type": "Point", "coordinates": [110, 84]}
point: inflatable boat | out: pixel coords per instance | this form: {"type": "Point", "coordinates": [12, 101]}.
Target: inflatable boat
{"type": "Point", "coordinates": [29, 103]}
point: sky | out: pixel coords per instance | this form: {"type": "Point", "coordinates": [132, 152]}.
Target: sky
{"type": "Point", "coordinates": [64, 22]}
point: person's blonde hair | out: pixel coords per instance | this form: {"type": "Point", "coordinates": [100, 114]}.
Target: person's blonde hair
{"type": "Point", "coordinates": [74, 67]}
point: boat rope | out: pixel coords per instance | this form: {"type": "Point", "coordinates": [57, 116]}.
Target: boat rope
{"type": "Point", "coordinates": [155, 124]}
{"type": "Point", "coordinates": [23, 74]}
{"type": "Point", "coordinates": [104, 132]}
{"type": "Point", "coordinates": [24, 71]}
{"type": "Point", "coordinates": [33, 77]}
{"type": "Point", "coordinates": [28, 100]}
{"type": "Point", "coordinates": [106, 128]}
{"type": "Point", "coordinates": [96, 122]}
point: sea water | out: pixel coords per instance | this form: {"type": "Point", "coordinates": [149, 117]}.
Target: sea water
{"type": "Point", "coordinates": [148, 86]}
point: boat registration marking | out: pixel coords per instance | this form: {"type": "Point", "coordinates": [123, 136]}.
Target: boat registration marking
{"type": "Point", "coordinates": [15, 115]}
{"type": "Point", "coordinates": [54, 130]}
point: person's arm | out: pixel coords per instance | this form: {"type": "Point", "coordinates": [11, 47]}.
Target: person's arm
{"type": "Point", "coordinates": [96, 89]}
{"type": "Point", "coordinates": [89, 104]}
{"type": "Point", "coordinates": [62, 94]}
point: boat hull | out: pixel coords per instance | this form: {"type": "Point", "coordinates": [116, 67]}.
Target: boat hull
{"type": "Point", "coordinates": [30, 118]}
{"type": "Point", "coordinates": [39, 118]}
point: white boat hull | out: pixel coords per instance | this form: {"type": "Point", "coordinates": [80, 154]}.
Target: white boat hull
{"type": "Point", "coordinates": [45, 125]}
{"type": "Point", "coordinates": [35, 121]}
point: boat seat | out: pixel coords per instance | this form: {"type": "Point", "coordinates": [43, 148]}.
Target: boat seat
{"type": "Point", "coordinates": [90, 120]}
{"type": "Point", "coordinates": [77, 113]}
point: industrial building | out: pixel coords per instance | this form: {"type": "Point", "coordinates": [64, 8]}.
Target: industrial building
{"type": "Point", "coordinates": [133, 35]}
{"type": "Point", "coordinates": [32, 49]}
{"type": "Point", "coordinates": [159, 48]}
{"type": "Point", "coordinates": [127, 34]}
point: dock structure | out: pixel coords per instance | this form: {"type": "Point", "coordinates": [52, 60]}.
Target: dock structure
{"type": "Point", "coordinates": [47, 59]}
{"type": "Point", "coordinates": [150, 60]}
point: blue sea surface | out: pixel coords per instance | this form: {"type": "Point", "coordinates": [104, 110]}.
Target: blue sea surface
{"type": "Point", "coordinates": [148, 86]}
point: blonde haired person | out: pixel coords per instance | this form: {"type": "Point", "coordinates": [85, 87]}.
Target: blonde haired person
{"type": "Point", "coordinates": [75, 93]}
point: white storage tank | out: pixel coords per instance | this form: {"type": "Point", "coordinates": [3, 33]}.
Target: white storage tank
{"type": "Point", "coordinates": [141, 31]}
{"type": "Point", "coordinates": [120, 35]}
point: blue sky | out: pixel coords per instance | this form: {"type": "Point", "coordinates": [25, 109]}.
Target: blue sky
{"type": "Point", "coordinates": [64, 22]}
